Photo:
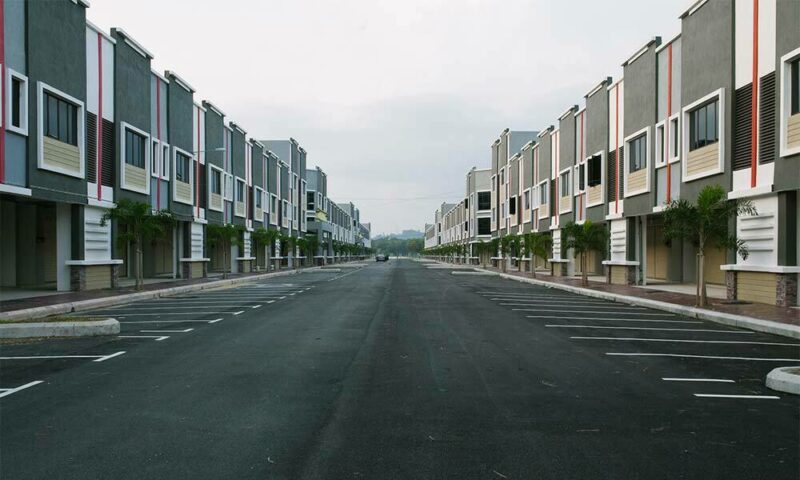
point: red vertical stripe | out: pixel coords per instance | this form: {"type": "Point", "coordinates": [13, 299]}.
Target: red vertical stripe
{"type": "Point", "coordinates": [160, 150]}
{"type": "Point", "coordinates": [225, 145]}
{"type": "Point", "coordinates": [754, 125]}
{"type": "Point", "coordinates": [2, 93]}
{"type": "Point", "coordinates": [616, 142]}
{"type": "Point", "coordinates": [99, 126]}
{"type": "Point", "coordinates": [197, 166]}
{"type": "Point", "coordinates": [667, 123]}
{"type": "Point", "coordinates": [580, 196]}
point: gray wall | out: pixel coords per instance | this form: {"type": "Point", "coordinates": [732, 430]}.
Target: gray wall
{"type": "Point", "coordinates": [596, 131]}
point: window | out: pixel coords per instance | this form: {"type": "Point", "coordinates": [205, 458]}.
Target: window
{"type": "Point", "coordinates": [484, 200]}
{"type": "Point", "coordinates": [527, 200]}
{"type": "Point", "coordinates": [310, 200]}
{"type": "Point", "coordinates": [512, 206]}
{"type": "Point", "coordinates": [484, 226]}
{"type": "Point", "coordinates": [582, 177]}
{"type": "Point", "coordinates": [674, 138]}
{"type": "Point", "coordinates": [134, 149]}
{"type": "Point", "coordinates": [794, 75]}
{"type": "Point", "coordinates": [18, 103]}
{"type": "Point", "coordinates": [594, 171]}
{"type": "Point", "coordinates": [228, 190]}
{"type": "Point", "coordinates": [563, 184]}
{"type": "Point", "coordinates": [240, 190]}
{"type": "Point", "coordinates": [216, 181]}
{"type": "Point", "coordinates": [637, 153]}
{"type": "Point", "coordinates": [182, 167]}
{"type": "Point", "coordinates": [466, 204]}
{"type": "Point", "coordinates": [544, 193]}
{"type": "Point", "coordinates": [154, 156]}
{"type": "Point", "coordinates": [660, 153]}
{"type": "Point", "coordinates": [703, 126]}
{"type": "Point", "coordinates": [258, 198]}
{"type": "Point", "coordinates": [61, 120]}
{"type": "Point", "coordinates": [502, 177]}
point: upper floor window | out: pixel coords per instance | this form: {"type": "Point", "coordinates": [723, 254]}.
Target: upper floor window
{"type": "Point", "coordinates": [512, 206]}
{"type": "Point", "coordinates": [795, 86]}
{"type": "Point", "coordinates": [527, 200]}
{"type": "Point", "coordinates": [61, 120]}
{"type": "Point", "coordinates": [703, 125]}
{"type": "Point", "coordinates": [484, 200]}
{"type": "Point", "coordinates": [544, 193]}
{"type": "Point", "coordinates": [216, 181]}
{"type": "Point", "coordinates": [563, 184]}
{"type": "Point", "coordinates": [18, 103]}
{"type": "Point", "coordinates": [240, 190]}
{"type": "Point", "coordinates": [258, 199]}
{"type": "Point", "coordinates": [637, 153]}
{"type": "Point", "coordinates": [594, 171]}
{"type": "Point", "coordinates": [182, 167]}
{"type": "Point", "coordinates": [134, 149]}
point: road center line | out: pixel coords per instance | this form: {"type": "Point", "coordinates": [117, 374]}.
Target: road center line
{"type": "Point", "coordinates": [710, 357]}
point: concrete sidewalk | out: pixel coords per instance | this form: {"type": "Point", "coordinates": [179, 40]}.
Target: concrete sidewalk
{"type": "Point", "coordinates": [45, 306]}
{"type": "Point", "coordinates": [759, 317]}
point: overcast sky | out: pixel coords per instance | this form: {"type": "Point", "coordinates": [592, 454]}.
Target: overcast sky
{"type": "Point", "coordinates": [395, 100]}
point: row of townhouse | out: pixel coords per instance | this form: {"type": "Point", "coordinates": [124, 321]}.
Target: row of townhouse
{"type": "Point", "coordinates": [717, 105]}
{"type": "Point", "coordinates": [86, 122]}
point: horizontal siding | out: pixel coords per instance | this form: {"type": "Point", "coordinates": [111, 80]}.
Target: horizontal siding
{"type": "Point", "coordinates": [183, 191]}
{"type": "Point", "coordinates": [637, 180]}
{"type": "Point", "coordinates": [197, 270]}
{"type": "Point", "coordinates": [239, 208]}
{"type": "Point", "coordinates": [595, 194]}
{"type": "Point", "coordinates": [618, 275]}
{"type": "Point", "coordinates": [703, 160]}
{"type": "Point", "coordinates": [98, 277]}
{"type": "Point", "coordinates": [135, 177]}
{"type": "Point", "coordinates": [61, 155]}
{"type": "Point", "coordinates": [757, 287]}
{"type": "Point", "coordinates": [793, 131]}
{"type": "Point", "coordinates": [259, 215]}
{"type": "Point", "coordinates": [216, 201]}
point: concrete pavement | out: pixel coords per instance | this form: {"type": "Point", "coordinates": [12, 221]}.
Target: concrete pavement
{"type": "Point", "coordinates": [398, 371]}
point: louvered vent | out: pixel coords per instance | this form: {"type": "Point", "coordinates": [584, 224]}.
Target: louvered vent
{"type": "Point", "coordinates": [203, 187]}
{"type": "Point", "coordinates": [91, 147]}
{"type": "Point", "coordinates": [742, 126]}
{"type": "Point", "coordinates": [108, 153]}
{"type": "Point", "coordinates": [766, 123]}
{"type": "Point", "coordinates": [612, 172]}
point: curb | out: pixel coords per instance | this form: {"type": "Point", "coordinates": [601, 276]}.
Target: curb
{"type": "Point", "coordinates": [60, 329]}
{"type": "Point", "coordinates": [781, 380]}
{"type": "Point", "coordinates": [82, 305]}
{"type": "Point", "coordinates": [741, 321]}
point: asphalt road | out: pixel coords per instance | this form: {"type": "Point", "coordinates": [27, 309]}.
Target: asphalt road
{"type": "Point", "coordinates": [398, 370]}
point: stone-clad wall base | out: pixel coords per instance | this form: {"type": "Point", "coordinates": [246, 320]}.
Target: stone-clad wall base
{"type": "Point", "coordinates": [622, 274]}
{"type": "Point", "coordinates": [194, 270]}
{"type": "Point", "coordinates": [762, 287]}
{"type": "Point", "coordinates": [93, 277]}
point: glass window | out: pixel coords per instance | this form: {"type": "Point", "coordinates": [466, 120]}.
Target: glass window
{"type": "Point", "coordinates": [19, 107]}
{"type": "Point", "coordinates": [563, 184]}
{"type": "Point", "coordinates": [660, 146]}
{"type": "Point", "coordinates": [527, 200]}
{"type": "Point", "coordinates": [484, 200]}
{"type": "Point", "coordinates": [216, 181]}
{"type": "Point", "coordinates": [258, 199]}
{"type": "Point", "coordinates": [182, 167]}
{"type": "Point", "coordinates": [512, 206]}
{"type": "Point", "coordinates": [637, 153]}
{"type": "Point", "coordinates": [239, 191]}
{"type": "Point", "coordinates": [134, 149]}
{"type": "Point", "coordinates": [795, 86]}
{"type": "Point", "coordinates": [674, 136]}
{"type": "Point", "coordinates": [484, 226]}
{"type": "Point", "coordinates": [61, 119]}
{"type": "Point", "coordinates": [155, 158]}
{"type": "Point", "coordinates": [543, 194]}
{"type": "Point", "coordinates": [582, 176]}
{"type": "Point", "coordinates": [703, 126]}
{"type": "Point", "coordinates": [165, 162]}
{"type": "Point", "coordinates": [594, 172]}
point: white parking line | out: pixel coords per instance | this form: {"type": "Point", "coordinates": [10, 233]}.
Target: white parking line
{"type": "Point", "coordinates": [134, 314]}
{"type": "Point", "coordinates": [648, 320]}
{"type": "Point", "coordinates": [4, 392]}
{"type": "Point", "coordinates": [216, 321]}
{"type": "Point", "coordinates": [710, 380]}
{"type": "Point", "coordinates": [168, 307]}
{"type": "Point", "coordinates": [751, 397]}
{"type": "Point", "coordinates": [97, 358]}
{"type": "Point", "coordinates": [555, 302]}
{"type": "Point", "coordinates": [598, 327]}
{"type": "Point", "coordinates": [239, 312]}
{"type": "Point", "coordinates": [672, 340]}
{"type": "Point", "coordinates": [710, 357]}
{"type": "Point", "coordinates": [156, 337]}
{"type": "Point", "coordinates": [588, 311]}
{"type": "Point", "coordinates": [590, 307]}
{"type": "Point", "coordinates": [173, 321]}
{"type": "Point", "coordinates": [256, 306]}
{"type": "Point", "coordinates": [167, 331]}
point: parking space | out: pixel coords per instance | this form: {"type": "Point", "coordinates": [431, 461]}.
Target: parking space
{"type": "Point", "coordinates": [26, 364]}
{"type": "Point", "coordinates": [697, 359]}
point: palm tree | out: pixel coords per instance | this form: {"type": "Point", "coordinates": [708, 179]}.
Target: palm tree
{"type": "Point", "coordinates": [287, 245]}
{"type": "Point", "coordinates": [537, 245]}
{"type": "Point", "coordinates": [582, 239]}
{"type": "Point", "coordinates": [505, 248]}
{"type": "Point", "coordinates": [224, 237]}
{"type": "Point", "coordinates": [312, 247]}
{"type": "Point", "coordinates": [266, 238]}
{"type": "Point", "coordinates": [141, 223]}
{"type": "Point", "coordinates": [706, 223]}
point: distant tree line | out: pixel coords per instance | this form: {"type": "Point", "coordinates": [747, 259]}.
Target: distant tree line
{"type": "Point", "coordinates": [398, 246]}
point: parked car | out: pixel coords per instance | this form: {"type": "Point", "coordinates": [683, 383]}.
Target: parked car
{"type": "Point", "coordinates": [381, 258]}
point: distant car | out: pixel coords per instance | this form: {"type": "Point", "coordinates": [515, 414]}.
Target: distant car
{"type": "Point", "coordinates": [381, 258]}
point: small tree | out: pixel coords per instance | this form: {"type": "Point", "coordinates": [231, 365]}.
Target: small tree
{"type": "Point", "coordinates": [537, 245]}
{"type": "Point", "coordinates": [266, 238]}
{"type": "Point", "coordinates": [288, 243]}
{"type": "Point", "coordinates": [142, 224]}
{"type": "Point", "coordinates": [224, 237]}
{"type": "Point", "coordinates": [312, 247]}
{"type": "Point", "coordinates": [583, 239]}
{"type": "Point", "coordinates": [706, 223]}
{"type": "Point", "coordinates": [505, 248]}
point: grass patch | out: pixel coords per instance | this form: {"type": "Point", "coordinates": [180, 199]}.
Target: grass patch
{"type": "Point", "coordinates": [55, 319]}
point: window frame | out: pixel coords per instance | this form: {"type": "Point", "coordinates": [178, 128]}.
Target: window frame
{"type": "Point", "coordinates": [787, 82]}
{"type": "Point", "coordinates": [675, 137]}
{"type": "Point", "coordinates": [24, 102]}
{"type": "Point", "coordinates": [660, 159]}
{"type": "Point", "coordinates": [227, 186]}
{"type": "Point", "coordinates": [41, 89]}
{"type": "Point", "coordinates": [695, 126]}
{"type": "Point", "coordinates": [211, 171]}
{"type": "Point", "coordinates": [684, 129]}
{"type": "Point", "coordinates": [645, 134]}
{"type": "Point", "coordinates": [123, 129]}
{"type": "Point", "coordinates": [189, 160]}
